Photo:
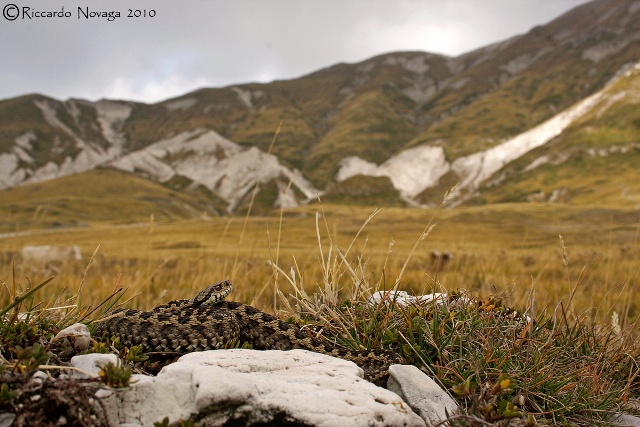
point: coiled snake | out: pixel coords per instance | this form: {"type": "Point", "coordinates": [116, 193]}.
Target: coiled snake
{"type": "Point", "coordinates": [208, 322]}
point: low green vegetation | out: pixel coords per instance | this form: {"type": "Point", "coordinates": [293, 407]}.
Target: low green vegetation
{"type": "Point", "coordinates": [503, 368]}
{"type": "Point", "coordinates": [584, 180]}
{"type": "Point", "coordinates": [27, 326]}
{"type": "Point", "coordinates": [115, 375]}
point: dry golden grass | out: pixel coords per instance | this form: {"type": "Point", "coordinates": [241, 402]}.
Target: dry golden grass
{"type": "Point", "coordinates": [513, 248]}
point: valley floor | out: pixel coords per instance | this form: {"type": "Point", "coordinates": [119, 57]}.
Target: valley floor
{"type": "Point", "coordinates": [532, 252]}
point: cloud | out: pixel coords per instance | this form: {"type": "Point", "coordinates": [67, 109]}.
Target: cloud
{"type": "Point", "coordinates": [154, 89]}
{"type": "Point", "coordinates": [197, 43]}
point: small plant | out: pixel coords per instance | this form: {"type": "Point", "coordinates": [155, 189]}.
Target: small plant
{"type": "Point", "coordinates": [493, 402]}
{"type": "Point", "coordinates": [99, 347]}
{"type": "Point", "coordinates": [6, 394]}
{"type": "Point", "coordinates": [30, 358]}
{"type": "Point", "coordinates": [135, 354]}
{"type": "Point", "coordinates": [115, 375]}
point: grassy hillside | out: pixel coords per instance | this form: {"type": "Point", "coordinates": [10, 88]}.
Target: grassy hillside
{"type": "Point", "coordinates": [585, 180]}
{"type": "Point", "coordinates": [20, 116]}
{"type": "Point", "coordinates": [594, 162]}
{"type": "Point", "coordinates": [98, 196]}
{"type": "Point", "coordinates": [364, 191]}
{"type": "Point", "coordinates": [368, 127]}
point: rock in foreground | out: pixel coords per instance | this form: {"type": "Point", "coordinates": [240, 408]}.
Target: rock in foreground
{"type": "Point", "coordinates": [250, 387]}
{"type": "Point", "coordinates": [422, 393]}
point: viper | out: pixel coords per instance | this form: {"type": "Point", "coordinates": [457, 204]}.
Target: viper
{"type": "Point", "coordinates": [209, 322]}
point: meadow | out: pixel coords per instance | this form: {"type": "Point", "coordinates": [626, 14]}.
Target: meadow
{"type": "Point", "coordinates": [534, 255]}
{"type": "Point", "coordinates": [572, 270]}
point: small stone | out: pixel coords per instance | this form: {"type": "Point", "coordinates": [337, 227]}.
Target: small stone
{"type": "Point", "coordinates": [403, 299]}
{"type": "Point", "coordinates": [6, 419]}
{"type": "Point", "coordinates": [422, 393]}
{"type": "Point", "coordinates": [76, 336]}
{"type": "Point", "coordinates": [39, 377]}
{"type": "Point", "coordinates": [90, 363]}
{"type": "Point", "coordinates": [625, 420]}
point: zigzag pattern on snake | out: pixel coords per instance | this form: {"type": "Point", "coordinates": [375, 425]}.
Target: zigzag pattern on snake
{"type": "Point", "coordinates": [207, 322]}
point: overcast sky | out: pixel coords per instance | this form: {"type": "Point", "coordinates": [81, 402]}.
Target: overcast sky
{"type": "Point", "coordinates": [190, 44]}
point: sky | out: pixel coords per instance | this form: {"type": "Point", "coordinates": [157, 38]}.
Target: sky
{"type": "Point", "coordinates": [174, 47]}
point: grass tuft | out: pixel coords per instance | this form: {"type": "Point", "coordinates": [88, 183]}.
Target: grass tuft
{"type": "Point", "coordinates": [504, 367]}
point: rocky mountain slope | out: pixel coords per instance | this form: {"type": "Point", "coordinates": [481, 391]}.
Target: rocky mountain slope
{"type": "Point", "coordinates": [493, 119]}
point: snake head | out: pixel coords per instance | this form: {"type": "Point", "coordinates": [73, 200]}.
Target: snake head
{"type": "Point", "coordinates": [213, 294]}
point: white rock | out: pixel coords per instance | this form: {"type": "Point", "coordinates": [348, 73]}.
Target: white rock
{"type": "Point", "coordinates": [403, 299]}
{"type": "Point", "coordinates": [6, 419]}
{"type": "Point", "coordinates": [44, 253]}
{"type": "Point", "coordinates": [76, 336]}
{"type": "Point", "coordinates": [207, 158]}
{"type": "Point", "coordinates": [90, 363]}
{"type": "Point", "coordinates": [111, 116]}
{"type": "Point", "coordinates": [410, 171]}
{"type": "Point", "coordinates": [251, 386]}
{"type": "Point", "coordinates": [422, 394]}
{"type": "Point", "coordinates": [39, 377]}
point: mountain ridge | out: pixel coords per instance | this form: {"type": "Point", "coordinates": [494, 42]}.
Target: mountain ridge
{"type": "Point", "coordinates": [407, 116]}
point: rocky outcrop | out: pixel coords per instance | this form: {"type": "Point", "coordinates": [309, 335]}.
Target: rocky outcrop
{"type": "Point", "coordinates": [240, 387]}
{"type": "Point", "coordinates": [251, 387]}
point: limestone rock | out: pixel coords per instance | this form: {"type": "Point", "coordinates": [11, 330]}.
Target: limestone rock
{"type": "Point", "coordinates": [76, 336]}
{"type": "Point", "coordinates": [88, 365]}
{"type": "Point", "coordinates": [250, 387]}
{"type": "Point", "coordinates": [403, 299]}
{"type": "Point", "coordinates": [422, 394]}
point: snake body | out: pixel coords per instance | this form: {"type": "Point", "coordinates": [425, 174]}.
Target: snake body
{"type": "Point", "coordinates": [208, 322]}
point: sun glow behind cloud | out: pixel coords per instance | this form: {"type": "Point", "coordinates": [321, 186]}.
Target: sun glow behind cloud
{"type": "Point", "coordinates": [152, 90]}
{"type": "Point", "coordinates": [436, 38]}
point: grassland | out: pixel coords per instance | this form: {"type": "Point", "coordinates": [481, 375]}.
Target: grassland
{"type": "Point", "coordinates": [511, 248]}
{"type": "Point", "coordinates": [317, 264]}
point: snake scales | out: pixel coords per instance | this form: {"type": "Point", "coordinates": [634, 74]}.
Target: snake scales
{"type": "Point", "coordinates": [208, 322]}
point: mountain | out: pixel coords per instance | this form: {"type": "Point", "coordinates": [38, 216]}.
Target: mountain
{"type": "Point", "coordinates": [594, 161]}
{"type": "Point", "coordinates": [511, 122]}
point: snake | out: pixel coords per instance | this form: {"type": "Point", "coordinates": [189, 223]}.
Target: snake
{"type": "Point", "coordinates": [209, 322]}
